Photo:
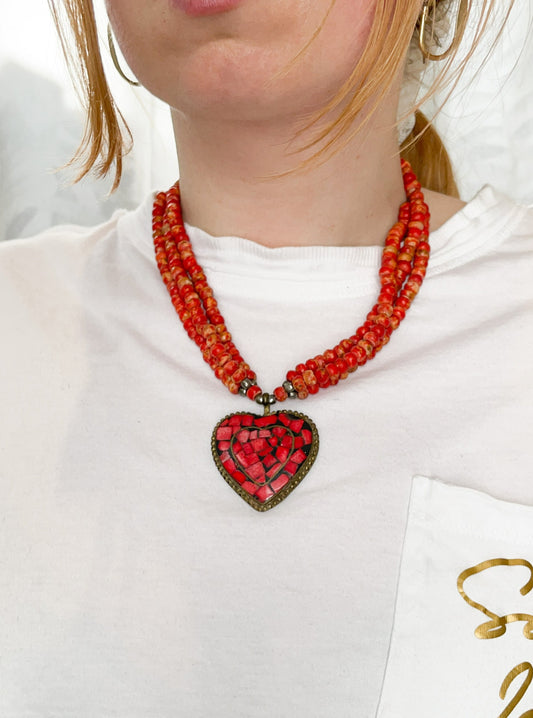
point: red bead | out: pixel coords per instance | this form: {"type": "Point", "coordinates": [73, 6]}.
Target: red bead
{"type": "Point", "coordinates": [224, 358]}
{"type": "Point", "coordinates": [351, 360]}
{"type": "Point", "coordinates": [333, 372]}
{"type": "Point", "coordinates": [239, 375]}
{"type": "Point", "coordinates": [280, 393]}
{"type": "Point", "coordinates": [253, 392]}
{"type": "Point", "coordinates": [346, 345]}
{"type": "Point", "coordinates": [232, 386]}
{"type": "Point", "coordinates": [383, 320]}
{"type": "Point", "coordinates": [410, 292]}
{"type": "Point", "coordinates": [403, 302]}
{"type": "Point", "coordinates": [371, 337]}
{"type": "Point", "coordinates": [362, 356]}
{"type": "Point", "coordinates": [398, 313]}
{"type": "Point", "coordinates": [418, 276]}
{"type": "Point", "coordinates": [231, 367]}
{"type": "Point", "coordinates": [367, 347]}
{"type": "Point", "coordinates": [385, 309]}
{"type": "Point", "coordinates": [403, 267]}
{"type": "Point", "coordinates": [217, 349]}
{"type": "Point", "coordinates": [342, 366]}
{"type": "Point", "coordinates": [322, 377]}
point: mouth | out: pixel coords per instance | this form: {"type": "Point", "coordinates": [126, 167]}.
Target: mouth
{"type": "Point", "coordinates": [197, 8]}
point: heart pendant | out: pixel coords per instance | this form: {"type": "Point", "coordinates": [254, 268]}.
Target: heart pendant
{"type": "Point", "coordinates": [263, 458]}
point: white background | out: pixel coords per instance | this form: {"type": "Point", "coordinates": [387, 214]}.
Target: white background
{"type": "Point", "coordinates": [487, 126]}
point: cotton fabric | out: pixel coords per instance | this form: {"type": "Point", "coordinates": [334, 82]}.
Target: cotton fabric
{"type": "Point", "coordinates": [133, 581]}
{"type": "Point", "coordinates": [464, 612]}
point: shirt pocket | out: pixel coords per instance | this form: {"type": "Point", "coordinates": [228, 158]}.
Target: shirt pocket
{"type": "Point", "coordinates": [462, 640]}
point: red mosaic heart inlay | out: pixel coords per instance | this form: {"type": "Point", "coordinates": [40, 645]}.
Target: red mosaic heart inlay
{"type": "Point", "coordinates": [263, 458]}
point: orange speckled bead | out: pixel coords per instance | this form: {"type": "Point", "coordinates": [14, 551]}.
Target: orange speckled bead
{"type": "Point", "coordinates": [310, 381]}
{"type": "Point", "coordinates": [300, 386]}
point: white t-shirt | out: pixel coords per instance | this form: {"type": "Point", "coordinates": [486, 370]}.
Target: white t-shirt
{"type": "Point", "coordinates": [134, 583]}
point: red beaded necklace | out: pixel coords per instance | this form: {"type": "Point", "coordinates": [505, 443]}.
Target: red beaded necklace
{"type": "Point", "coordinates": [263, 458]}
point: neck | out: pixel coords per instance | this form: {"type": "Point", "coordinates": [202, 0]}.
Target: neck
{"type": "Point", "coordinates": [352, 199]}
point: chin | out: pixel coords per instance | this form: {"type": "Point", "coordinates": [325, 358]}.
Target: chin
{"type": "Point", "coordinates": [227, 82]}
{"type": "Point", "coordinates": [221, 83]}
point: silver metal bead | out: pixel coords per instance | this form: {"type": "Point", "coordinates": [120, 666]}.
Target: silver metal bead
{"type": "Point", "coordinates": [266, 399]}
{"type": "Point", "coordinates": [289, 388]}
{"type": "Point", "coordinates": [245, 385]}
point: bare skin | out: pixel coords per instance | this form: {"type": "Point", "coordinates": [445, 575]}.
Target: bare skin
{"type": "Point", "coordinates": [235, 112]}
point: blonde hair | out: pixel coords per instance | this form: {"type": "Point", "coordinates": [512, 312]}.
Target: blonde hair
{"type": "Point", "coordinates": [107, 138]}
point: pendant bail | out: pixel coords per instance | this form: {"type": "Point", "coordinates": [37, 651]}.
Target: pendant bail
{"type": "Point", "coordinates": [266, 400]}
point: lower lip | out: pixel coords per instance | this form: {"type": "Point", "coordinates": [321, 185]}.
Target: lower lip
{"type": "Point", "coordinates": [205, 7]}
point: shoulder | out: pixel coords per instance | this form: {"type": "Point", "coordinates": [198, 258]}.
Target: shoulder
{"type": "Point", "coordinates": [490, 227]}
{"type": "Point", "coordinates": [60, 275]}
{"type": "Point", "coordinates": [506, 224]}
{"type": "Point", "coordinates": [70, 239]}
{"type": "Point", "coordinates": [52, 261]}
{"type": "Point", "coordinates": [42, 279]}
{"type": "Point", "coordinates": [487, 203]}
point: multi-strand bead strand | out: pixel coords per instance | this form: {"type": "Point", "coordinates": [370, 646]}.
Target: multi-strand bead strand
{"type": "Point", "coordinates": [403, 267]}
{"type": "Point", "coordinates": [193, 298]}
